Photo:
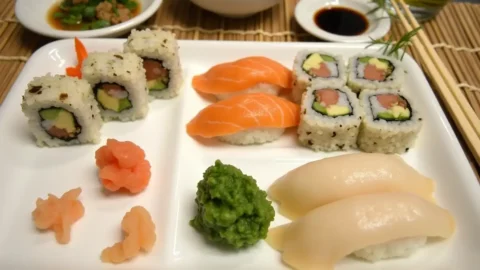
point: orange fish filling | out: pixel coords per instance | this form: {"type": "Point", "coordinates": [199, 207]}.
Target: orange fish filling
{"type": "Point", "coordinates": [123, 165]}
{"type": "Point", "coordinates": [322, 71]}
{"type": "Point", "coordinates": [373, 73]}
{"type": "Point", "coordinates": [389, 100]}
{"type": "Point", "coordinates": [59, 214]}
{"type": "Point", "coordinates": [140, 235]}
{"type": "Point", "coordinates": [327, 96]}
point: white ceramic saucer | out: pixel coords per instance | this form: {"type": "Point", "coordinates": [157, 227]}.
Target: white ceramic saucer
{"type": "Point", "coordinates": [32, 14]}
{"type": "Point", "coordinates": [379, 22]}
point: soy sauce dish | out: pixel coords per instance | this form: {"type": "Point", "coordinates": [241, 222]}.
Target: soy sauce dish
{"type": "Point", "coordinates": [342, 20]}
{"type": "Point", "coordinates": [84, 18]}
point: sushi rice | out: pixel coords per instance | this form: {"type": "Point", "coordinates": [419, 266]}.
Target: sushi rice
{"type": "Point", "coordinates": [393, 249]}
{"type": "Point", "coordinates": [253, 136]}
{"type": "Point", "coordinates": [356, 73]}
{"type": "Point", "coordinates": [323, 132]}
{"type": "Point", "coordinates": [70, 97]}
{"type": "Point", "coordinates": [265, 88]}
{"type": "Point", "coordinates": [387, 135]}
{"type": "Point", "coordinates": [302, 79]}
{"type": "Point", "coordinates": [158, 45]}
{"type": "Point", "coordinates": [119, 70]}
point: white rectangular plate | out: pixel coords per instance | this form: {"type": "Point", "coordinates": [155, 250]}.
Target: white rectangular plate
{"type": "Point", "coordinates": [178, 162]}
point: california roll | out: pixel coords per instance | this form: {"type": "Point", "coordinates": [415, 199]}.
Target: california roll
{"type": "Point", "coordinates": [374, 71]}
{"type": "Point", "coordinates": [119, 84]}
{"type": "Point", "coordinates": [159, 51]}
{"type": "Point", "coordinates": [61, 111]}
{"type": "Point", "coordinates": [330, 118]}
{"type": "Point", "coordinates": [391, 123]}
{"type": "Point", "coordinates": [316, 66]}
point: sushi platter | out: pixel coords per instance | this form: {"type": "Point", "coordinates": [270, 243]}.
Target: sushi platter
{"type": "Point", "coordinates": [279, 147]}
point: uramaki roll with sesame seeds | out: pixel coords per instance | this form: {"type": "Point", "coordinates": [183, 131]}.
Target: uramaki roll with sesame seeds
{"type": "Point", "coordinates": [391, 123]}
{"type": "Point", "coordinates": [119, 84]}
{"type": "Point", "coordinates": [330, 118]}
{"type": "Point", "coordinates": [159, 51]}
{"type": "Point", "coordinates": [311, 66]}
{"type": "Point", "coordinates": [61, 111]}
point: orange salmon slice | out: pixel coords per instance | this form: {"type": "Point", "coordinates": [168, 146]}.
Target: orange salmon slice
{"type": "Point", "coordinates": [322, 71]}
{"type": "Point", "coordinates": [327, 96]}
{"type": "Point", "coordinates": [389, 100]}
{"type": "Point", "coordinates": [247, 111]}
{"type": "Point", "coordinates": [373, 73]}
{"type": "Point", "coordinates": [242, 74]}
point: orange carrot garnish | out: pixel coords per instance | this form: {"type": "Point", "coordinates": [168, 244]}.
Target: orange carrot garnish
{"type": "Point", "coordinates": [81, 55]}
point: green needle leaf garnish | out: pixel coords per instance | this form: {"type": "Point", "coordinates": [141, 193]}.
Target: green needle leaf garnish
{"type": "Point", "coordinates": [382, 5]}
{"type": "Point", "coordinates": [391, 48]}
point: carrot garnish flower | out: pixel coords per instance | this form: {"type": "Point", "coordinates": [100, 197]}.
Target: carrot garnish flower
{"type": "Point", "coordinates": [81, 55]}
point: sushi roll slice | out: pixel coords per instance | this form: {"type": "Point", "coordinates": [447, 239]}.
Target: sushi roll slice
{"type": "Point", "coordinates": [61, 111]}
{"type": "Point", "coordinates": [314, 65]}
{"type": "Point", "coordinates": [254, 118]}
{"type": "Point", "coordinates": [374, 71]}
{"type": "Point", "coordinates": [159, 51]}
{"type": "Point", "coordinates": [119, 84]}
{"type": "Point", "coordinates": [391, 123]}
{"type": "Point", "coordinates": [330, 118]}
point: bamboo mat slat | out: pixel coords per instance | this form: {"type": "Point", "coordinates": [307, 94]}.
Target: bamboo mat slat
{"type": "Point", "coordinates": [454, 33]}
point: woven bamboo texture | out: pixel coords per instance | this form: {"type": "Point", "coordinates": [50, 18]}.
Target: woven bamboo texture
{"type": "Point", "coordinates": [453, 33]}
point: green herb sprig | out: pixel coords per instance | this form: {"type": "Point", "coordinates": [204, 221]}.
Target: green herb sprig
{"type": "Point", "coordinates": [382, 5]}
{"type": "Point", "coordinates": [392, 48]}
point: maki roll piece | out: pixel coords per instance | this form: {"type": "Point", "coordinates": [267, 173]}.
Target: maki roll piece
{"type": "Point", "coordinates": [159, 51]}
{"type": "Point", "coordinates": [330, 118]}
{"type": "Point", "coordinates": [316, 66]}
{"type": "Point", "coordinates": [374, 71]}
{"type": "Point", "coordinates": [391, 123]}
{"type": "Point", "coordinates": [119, 85]}
{"type": "Point", "coordinates": [61, 111]}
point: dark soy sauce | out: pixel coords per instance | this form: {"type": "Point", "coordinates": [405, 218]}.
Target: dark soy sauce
{"type": "Point", "coordinates": [341, 21]}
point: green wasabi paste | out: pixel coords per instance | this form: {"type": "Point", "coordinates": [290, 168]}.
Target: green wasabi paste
{"type": "Point", "coordinates": [231, 209]}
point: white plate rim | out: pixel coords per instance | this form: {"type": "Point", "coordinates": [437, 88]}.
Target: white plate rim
{"type": "Point", "coordinates": [458, 151]}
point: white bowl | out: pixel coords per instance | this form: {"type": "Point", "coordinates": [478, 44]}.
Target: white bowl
{"type": "Point", "coordinates": [379, 22]}
{"type": "Point", "coordinates": [235, 8]}
{"type": "Point", "coordinates": [32, 14]}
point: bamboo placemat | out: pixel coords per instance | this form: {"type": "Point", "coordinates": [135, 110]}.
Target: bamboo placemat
{"type": "Point", "coordinates": [453, 32]}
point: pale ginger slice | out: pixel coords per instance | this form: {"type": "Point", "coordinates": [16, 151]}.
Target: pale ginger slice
{"type": "Point", "coordinates": [59, 214]}
{"type": "Point", "coordinates": [140, 235]}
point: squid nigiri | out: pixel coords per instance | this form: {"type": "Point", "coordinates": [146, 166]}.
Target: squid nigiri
{"type": "Point", "coordinates": [246, 119]}
{"type": "Point", "coordinates": [253, 74]}
{"type": "Point", "coordinates": [372, 227]}
{"type": "Point", "coordinates": [330, 179]}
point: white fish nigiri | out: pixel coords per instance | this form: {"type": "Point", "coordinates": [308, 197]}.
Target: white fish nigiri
{"type": "Point", "coordinates": [363, 225]}
{"type": "Point", "coordinates": [330, 179]}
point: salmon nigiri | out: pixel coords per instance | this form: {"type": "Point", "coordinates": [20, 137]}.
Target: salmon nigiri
{"type": "Point", "coordinates": [247, 75]}
{"type": "Point", "coordinates": [246, 119]}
